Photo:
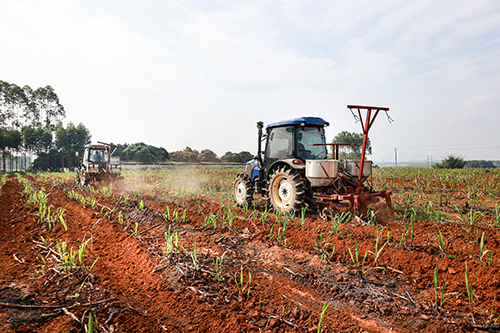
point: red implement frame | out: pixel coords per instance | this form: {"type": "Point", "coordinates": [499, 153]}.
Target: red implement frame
{"type": "Point", "coordinates": [366, 125]}
{"type": "Point", "coordinates": [109, 152]}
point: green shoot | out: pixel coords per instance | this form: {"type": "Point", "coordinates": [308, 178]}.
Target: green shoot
{"type": "Point", "coordinates": [325, 306]}
{"type": "Point", "coordinates": [240, 283]}
{"type": "Point", "coordinates": [218, 267]}
{"type": "Point", "coordinates": [441, 297]}
{"type": "Point", "coordinates": [378, 235]}
{"type": "Point", "coordinates": [194, 257]}
{"type": "Point", "coordinates": [468, 286]}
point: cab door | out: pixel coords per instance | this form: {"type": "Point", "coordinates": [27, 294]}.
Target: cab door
{"type": "Point", "coordinates": [279, 145]}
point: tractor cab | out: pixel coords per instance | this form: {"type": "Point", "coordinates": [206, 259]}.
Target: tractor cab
{"type": "Point", "coordinates": [95, 154]}
{"type": "Point", "coordinates": [294, 141]}
{"type": "Point", "coordinates": [95, 158]}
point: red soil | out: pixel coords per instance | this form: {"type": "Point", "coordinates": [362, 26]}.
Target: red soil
{"type": "Point", "coordinates": [135, 286]}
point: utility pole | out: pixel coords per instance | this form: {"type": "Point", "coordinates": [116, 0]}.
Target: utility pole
{"type": "Point", "coordinates": [396, 156]}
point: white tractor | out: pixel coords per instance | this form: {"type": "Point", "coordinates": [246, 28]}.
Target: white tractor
{"type": "Point", "coordinates": [98, 165]}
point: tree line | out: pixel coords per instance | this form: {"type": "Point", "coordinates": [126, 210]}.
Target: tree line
{"type": "Point", "coordinates": [458, 162]}
{"type": "Point", "coordinates": [192, 155]}
{"type": "Point", "coordinates": [31, 125]}
{"type": "Point", "coordinates": [141, 152]}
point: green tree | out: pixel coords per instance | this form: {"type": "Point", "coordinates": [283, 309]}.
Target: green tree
{"type": "Point", "coordinates": [352, 152]}
{"type": "Point", "coordinates": [10, 141]}
{"type": "Point", "coordinates": [141, 152]}
{"type": "Point", "coordinates": [46, 109]}
{"type": "Point", "coordinates": [241, 157]}
{"type": "Point", "coordinates": [138, 152]}
{"type": "Point", "coordinates": [473, 164]}
{"type": "Point", "coordinates": [160, 153]}
{"type": "Point", "coordinates": [25, 106]}
{"type": "Point", "coordinates": [43, 149]}
{"type": "Point", "coordinates": [34, 113]}
{"type": "Point", "coordinates": [206, 155]}
{"type": "Point", "coordinates": [451, 162]}
{"type": "Point", "coordinates": [4, 102]}
{"type": "Point", "coordinates": [70, 140]}
{"type": "Point", "coordinates": [186, 155]}
{"type": "Point", "coordinates": [32, 137]}
{"type": "Point", "coordinates": [14, 105]}
{"type": "Point", "coordinates": [227, 157]}
{"type": "Point", "coordinates": [7, 104]}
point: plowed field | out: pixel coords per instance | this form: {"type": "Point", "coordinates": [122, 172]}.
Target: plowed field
{"type": "Point", "coordinates": [138, 258]}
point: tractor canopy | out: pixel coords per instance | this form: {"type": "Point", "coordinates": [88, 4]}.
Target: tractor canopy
{"type": "Point", "coordinates": [303, 121]}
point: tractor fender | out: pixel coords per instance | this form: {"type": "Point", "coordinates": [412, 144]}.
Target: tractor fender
{"type": "Point", "coordinates": [287, 162]}
{"type": "Point", "coordinates": [252, 169]}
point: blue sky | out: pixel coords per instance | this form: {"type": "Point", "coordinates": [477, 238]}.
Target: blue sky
{"type": "Point", "coordinates": [202, 73]}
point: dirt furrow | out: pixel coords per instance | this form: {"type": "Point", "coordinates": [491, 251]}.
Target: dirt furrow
{"type": "Point", "coordinates": [155, 265]}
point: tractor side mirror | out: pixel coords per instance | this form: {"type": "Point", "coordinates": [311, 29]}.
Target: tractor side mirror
{"type": "Point", "coordinates": [77, 155]}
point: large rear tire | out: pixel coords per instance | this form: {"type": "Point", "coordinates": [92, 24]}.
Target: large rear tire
{"type": "Point", "coordinates": [287, 190]}
{"type": "Point", "coordinates": [242, 190]}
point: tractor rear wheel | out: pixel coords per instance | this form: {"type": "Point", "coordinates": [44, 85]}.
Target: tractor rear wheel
{"type": "Point", "coordinates": [242, 190]}
{"type": "Point", "coordinates": [287, 190]}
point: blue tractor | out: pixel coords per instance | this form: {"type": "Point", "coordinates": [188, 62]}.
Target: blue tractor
{"type": "Point", "coordinates": [294, 169]}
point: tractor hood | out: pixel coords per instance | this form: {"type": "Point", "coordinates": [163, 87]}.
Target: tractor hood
{"type": "Point", "coordinates": [314, 121]}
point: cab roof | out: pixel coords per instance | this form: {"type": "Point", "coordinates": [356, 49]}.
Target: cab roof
{"type": "Point", "coordinates": [95, 146]}
{"type": "Point", "coordinates": [314, 121]}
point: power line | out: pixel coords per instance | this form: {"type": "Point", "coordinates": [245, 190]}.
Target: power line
{"type": "Point", "coordinates": [447, 148]}
{"type": "Point", "coordinates": [451, 148]}
{"type": "Point", "coordinates": [464, 144]}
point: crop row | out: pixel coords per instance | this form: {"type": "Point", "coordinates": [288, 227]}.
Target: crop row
{"type": "Point", "coordinates": [467, 200]}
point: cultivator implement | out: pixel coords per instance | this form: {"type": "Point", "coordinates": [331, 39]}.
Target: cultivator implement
{"type": "Point", "coordinates": [350, 181]}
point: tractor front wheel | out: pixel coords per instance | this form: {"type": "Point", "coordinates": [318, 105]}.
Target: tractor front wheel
{"type": "Point", "coordinates": [242, 190]}
{"type": "Point", "coordinates": [287, 190]}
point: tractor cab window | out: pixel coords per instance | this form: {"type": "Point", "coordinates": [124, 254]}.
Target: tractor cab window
{"type": "Point", "coordinates": [279, 144]}
{"type": "Point", "coordinates": [306, 138]}
{"type": "Point", "coordinates": [97, 155]}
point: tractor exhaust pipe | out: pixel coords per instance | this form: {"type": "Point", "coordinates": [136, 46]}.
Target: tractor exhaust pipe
{"type": "Point", "coordinates": [260, 125]}
{"type": "Point", "coordinates": [259, 182]}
